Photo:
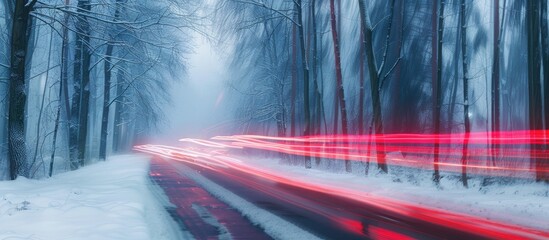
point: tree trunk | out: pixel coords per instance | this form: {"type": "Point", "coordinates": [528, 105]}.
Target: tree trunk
{"type": "Point", "coordinates": [294, 81]}
{"type": "Point", "coordinates": [463, 17]}
{"type": "Point", "coordinates": [544, 164]}
{"type": "Point", "coordinates": [17, 146]}
{"type": "Point", "coordinates": [305, 67]}
{"type": "Point", "coordinates": [75, 105]}
{"type": "Point", "coordinates": [81, 81]}
{"type": "Point", "coordinates": [374, 84]}
{"type": "Point", "coordinates": [63, 88]}
{"type": "Point", "coordinates": [545, 56]}
{"type": "Point", "coordinates": [119, 108]}
{"type": "Point", "coordinates": [317, 95]}
{"type": "Point", "coordinates": [106, 99]}
{"type": "Point", "coordinates": [496, 84]}
{"type": "Point", "coordinates": [438, 29]}
{"type": "Point", "coordinates": [362, 90]}
{"type": "Point", "coordinates": [83, 115]}
{"type": "Point", "coordinates": [534, 81]}
{"type": "Point", "coordinates": [339, 78]}
{"type": "Point", "coordinates": [107, 89]}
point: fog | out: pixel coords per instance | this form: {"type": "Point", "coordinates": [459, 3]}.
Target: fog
{"type": "Point", "coordinates": [199, 106]}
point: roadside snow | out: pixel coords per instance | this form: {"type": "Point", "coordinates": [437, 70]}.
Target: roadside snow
{"type": "Point", "coordinates": [108, 200]}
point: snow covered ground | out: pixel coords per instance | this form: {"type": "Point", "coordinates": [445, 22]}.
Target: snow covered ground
{"type": "Point", "coordinates": [115, 200]}
{"type": "Point", "coordinates": [108, 200]}
{"type": "Point", "coordinates": [522, 203]}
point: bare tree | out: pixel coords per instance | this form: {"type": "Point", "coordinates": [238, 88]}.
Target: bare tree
{"type": "Point", "coordinates": [17, 146]}
{"type": "Point", "coordinates": [377, 75]}
{"type": "Point", "coordinates": [465, 61]}
{"type": "Point", "coordinates": [534, 79]}
{"type": "Point", "coordinates": [107, 69]}
{"type": "Point", "coordinates": [438, 27]}
{"type": "Point", "coordinates": [339, 78]}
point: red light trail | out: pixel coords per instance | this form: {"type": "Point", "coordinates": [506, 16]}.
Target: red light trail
{"type": "Point", "coordinates": [213, 155]}
{"type": "Point", "coordinates": [513, 147]}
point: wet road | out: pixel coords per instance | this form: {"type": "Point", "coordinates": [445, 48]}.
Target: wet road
{"type": "Point", "coordinates": [326, 215]}
{"type": "Point", "coordinates": [197, 211]}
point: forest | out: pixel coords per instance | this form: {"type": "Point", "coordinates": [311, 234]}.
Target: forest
{"type": "Point", "coordinates": [87, 78]}
{"type": "Point", "coordinates": [84, 78]}
{"type": "Point", "coordinates": [456, 68]}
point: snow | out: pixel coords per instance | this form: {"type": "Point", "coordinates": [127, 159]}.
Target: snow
{"type": "Point", "coordinates": [523, 203]}
{"type": "Point", "coordinates": [116, 200]}
{"type": "Point", "coordinates": [108, 200]}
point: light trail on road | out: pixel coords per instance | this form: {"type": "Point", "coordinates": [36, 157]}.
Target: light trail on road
{"type": "Point", "coordinates": [509, 148]}
{"type": "Point", "coordinates": [214, 156]}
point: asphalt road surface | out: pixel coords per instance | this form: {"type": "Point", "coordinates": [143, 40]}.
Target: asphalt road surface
{"type": "Point", "coordinates": [328, 216]}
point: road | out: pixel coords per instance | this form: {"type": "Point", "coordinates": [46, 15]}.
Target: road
{"type": "Point", "coordinates": [326, 213]}
{"type": "Point", "coordinates": [197, 211]}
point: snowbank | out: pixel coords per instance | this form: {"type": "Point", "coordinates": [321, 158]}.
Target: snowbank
{"type": "Point", "coordinates": [108, 200]}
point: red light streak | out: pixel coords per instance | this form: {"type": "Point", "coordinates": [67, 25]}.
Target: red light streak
{"type": "Point", "coordinates": [378, 233]}
{"type": "Point", "coordinates": [222, 162]}
{"type": "Point", "coordinates": [356, 148]}
{"type": "Point", "coordinates": [416, 148]}
{"type": "Point", "coordinates": [509, 137]}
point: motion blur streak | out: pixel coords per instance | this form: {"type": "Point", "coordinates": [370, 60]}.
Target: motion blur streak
{"type": "Point", "coordinates": [211, 156]}
{"type": "Point", "coordinates": [504, 137]}
{"type": "Point", "coordinates": [381, 233]}
{"type": "Point", "coordinates": [514, 153]}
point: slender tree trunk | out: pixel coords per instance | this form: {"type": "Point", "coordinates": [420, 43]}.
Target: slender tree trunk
{"type": "Point", "coordinates": [465, 60]}
{"type": "Point", "coordinates": [534, 81]}
{"type": "Point", "coordinates": [77, 132]}
{"type": "Point", "coordinates": [545, 56]}
{"type": "Point", "coordinates": [65, 78]}
{"type": "Point", "coordinates": [496, 84]}
{"type": "Point", "coordinates": [294, 81]}
{"type": "Point", "coordinates": [60, 106]}
{"type": "Point", "coordinates": [439, 74]}
{"type": "Point", "coordinates": [544, 164]}
{"type": "Point", "coordinates": [495, 93]}
{"type": "Point", "coordinates": [335, 128]}
{"type": "Point", "coordinates": [317, 95]}
{"type": "Point", "coordinates": [107, 89]}
{"type": "Point", "coordinates": [438, 27]}
{"type": "Point", "coordinates": [361, 99]}
{"type": "Point", "coordinates": [374, 84]}
{"type": "Point", "coordinates": [76, 93]}
{"type": "Point", "coordinates": [305, 67]}
{"type": "Point", "coordinates": [362, 91]}
{"type": "Point", "coordinates": [64, 88]}
{"type": "Point", "coordinates": [83, 115]}
{"type": "Point", "coordinates": [319, 102]}
{"type": "Point", "coordinates": [17, 146]}
{"type": "Point", "coordinates": [55, 132]}
{"type": "Point", "coordinates": [119, 108]}
{"type": "Point", "coordinates": [339, 78]}
{"type": "Point", "coordinates": [106, 102]}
